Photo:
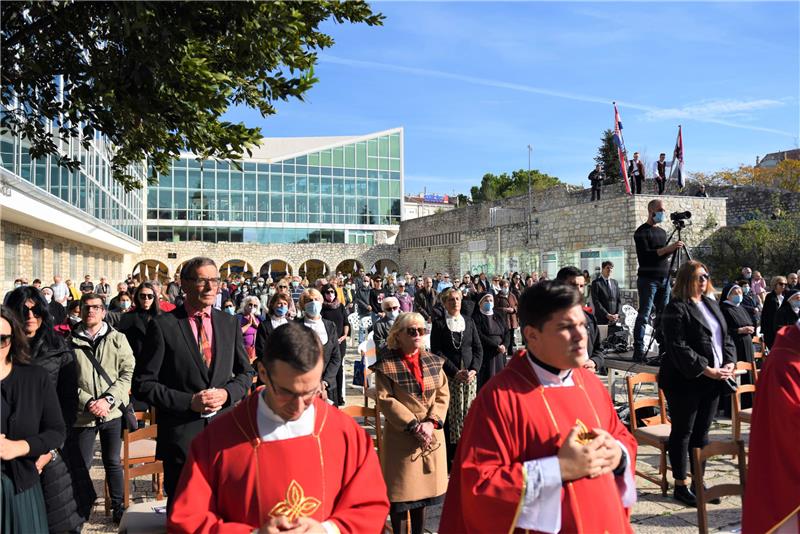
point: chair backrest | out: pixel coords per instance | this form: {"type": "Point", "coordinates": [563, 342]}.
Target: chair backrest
{"type": "Point", "coordinates": [750, 368]}
{"type": "Point", "coordinates": [737, 395]}
{"type": "Point", "coordinates": [630, 316]}
{"type": "Point", "coordinates": [758, 348]}
{"type": "Point", "coordinates": [699, 457]}
{"type": "Point", "coordinates": [366, 322]}
{"type": "Point", "coordinates": [352, 319]}
{"type": "Point", "coordinates": [365, 413]}
{"type": "Point", "coordinates": [634, 404]}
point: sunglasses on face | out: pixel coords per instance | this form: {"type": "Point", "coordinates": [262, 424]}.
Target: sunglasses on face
{"type": "Point", "coordinates": [283, 287]}
{"type": "Point", "coordinates": [146, 296]}
{"type": "Point", "coordinates": [780, 284]}
{"type": "Point", "coordinates": [330, 292]}
{"type": "Point", "coordinates": [703, 277]}
{"type": "Point", "coordinates": [5, 339]}
{"type": "Point", "coordinates": [415, 332]}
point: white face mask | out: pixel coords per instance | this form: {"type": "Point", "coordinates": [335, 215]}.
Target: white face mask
{"type": "Point", "coordinates": [48, 297]}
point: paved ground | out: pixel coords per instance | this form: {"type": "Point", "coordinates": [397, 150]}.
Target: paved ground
{"type": "Point", "coordinates": [652, 513]}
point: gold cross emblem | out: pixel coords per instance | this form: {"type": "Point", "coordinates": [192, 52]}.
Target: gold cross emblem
{"type": "Point", "coordinates": [296, 504]}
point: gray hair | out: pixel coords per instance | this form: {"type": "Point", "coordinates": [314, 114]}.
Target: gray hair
{"type": "Point", "coordinates": [248, 299]}
{"type": "Point", "coordinates": [189, 269]}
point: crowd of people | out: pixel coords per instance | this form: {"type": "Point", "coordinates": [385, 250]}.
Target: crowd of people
{"type": "Point", "coordinates": [247, 374]}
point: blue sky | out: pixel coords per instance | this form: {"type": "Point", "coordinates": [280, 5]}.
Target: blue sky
{"type": "Point", "coordinates": [474, 83]}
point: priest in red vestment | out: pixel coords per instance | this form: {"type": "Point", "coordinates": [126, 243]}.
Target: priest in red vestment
{"type": "Point", "coordinates": [283, 459]}
{"type": "Point", "coordinates": [543, 449]}
{"type": "Point", "coordinates": [772, 492]}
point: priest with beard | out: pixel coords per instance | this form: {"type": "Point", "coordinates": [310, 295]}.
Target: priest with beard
{"type": "Point", "coordinates": [542, 447]}
{"type": "Point", "coordinates": [283, 459]}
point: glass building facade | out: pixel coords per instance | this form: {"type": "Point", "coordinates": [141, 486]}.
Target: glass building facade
{"type": "Point", "coordinates": [333, 192]}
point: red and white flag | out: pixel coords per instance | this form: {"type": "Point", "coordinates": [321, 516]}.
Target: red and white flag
{"type": "Point", "coordinates": [677, 161]}
{"type": "Point", "coordinates": [623, 157]}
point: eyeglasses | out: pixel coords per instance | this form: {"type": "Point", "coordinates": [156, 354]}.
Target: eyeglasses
{"type": "Point", "coordinates": [780, 283]}
{"type": "Point", "coordinates": [5, 340]}
{"type": "Point", "coordinates": [291, 395]}
{"type": "Point", "coordinates": [330, 292]}
{"type": "Point", "coordinates": [202, 282]}
{"type": "Point", "coordinates": [393, 308]}
{"type": "Point", "coordinates": [415, 332]}
{"type": "Point", "coordinates": [146, 296]}
{"type": "Point", "coordinates": [93, 307]}
{"type": "Point", "coordinates": [703, 277]}
{"type": "Point", "coordinates": [36, 311]}
{"type": "Point", "coordinates": [283, 287]}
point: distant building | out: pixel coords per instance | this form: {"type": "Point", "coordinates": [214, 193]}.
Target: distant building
{"type": "Point", "coordinates": [422, 205]}
{"type": "Point", "coordinates": [773, 158]}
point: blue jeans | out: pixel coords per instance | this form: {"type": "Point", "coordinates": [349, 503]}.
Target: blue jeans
{"type": "Point", "coordinates": [652, 292]}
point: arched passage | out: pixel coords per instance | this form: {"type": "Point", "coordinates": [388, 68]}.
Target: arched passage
{"type": "Point", "coordinates": [151, 270]}
{"type": "Point", "coordinates": [236, 268]}
{"type": "Point", "coordinates": [384, 266]}
{"type": "Point", "coordinates": [313, 269]}
{"type": "Point", "coordinates": [275, 269]}
{"type": "Point", "coordinates": [349, 267]}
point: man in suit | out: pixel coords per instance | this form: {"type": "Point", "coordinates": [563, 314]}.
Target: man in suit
{"type": "Point", "coordinates": [636, 173]}
{"type": "Point", "coordinates": [605, 296]}
{"type": "Point", "coordinates": [192, 367]}
{"type": "Point", "coordinates": [594, 361]}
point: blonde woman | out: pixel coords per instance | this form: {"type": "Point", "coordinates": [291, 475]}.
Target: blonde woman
{"type": "Point", "coordinates": [772, 302]}
{"type": "Point", "coordinates": [311, 304]}
{"type": "Point", "coordinates": [413, 395]}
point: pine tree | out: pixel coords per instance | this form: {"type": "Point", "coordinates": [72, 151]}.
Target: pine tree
{"type": "Point", "coordinates": [608, 157]}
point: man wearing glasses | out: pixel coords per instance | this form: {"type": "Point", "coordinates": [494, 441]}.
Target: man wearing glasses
{"type": "Point", "coordinates": [284, 459]}
{"type": "Point", "coordinates": [192, 367]}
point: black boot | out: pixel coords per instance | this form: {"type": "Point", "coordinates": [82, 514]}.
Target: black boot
{"type": "Point", "coordinates": [685, 495]}
{"type": "Point", "coordinates": [713, 501]}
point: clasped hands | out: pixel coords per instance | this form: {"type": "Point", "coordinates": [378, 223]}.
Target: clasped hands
{"type": "Point", "coordinates": [598, 457]}
{"type": "Point", "coordinates": [424, 433]}
{"type": "Point", "coordinates": [720, 373]}
{"type": "Point", "coordinates": [283, 525]}
{"type": "Point", "coordinates": [209, 400]}
{"type": "Point", "coordinates": [99, 407]}
{"type": "Point", "coordinates": [465, 375]}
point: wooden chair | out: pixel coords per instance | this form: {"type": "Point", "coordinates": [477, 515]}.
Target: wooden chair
{"type": "Point", "coordinates": [657, 428]}
{"type": "Point", "coordinates": [758, 348]}
{"type": "Point", "coordinates": [699, 457]}
{"type": "Point", "coordinates": [367, 413]}
{"type": "Point", "coordinates": [139, 458]}
{"type": "Point", "coordinates": [739, 415]}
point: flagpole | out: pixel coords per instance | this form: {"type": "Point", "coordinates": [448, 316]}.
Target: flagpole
{"type": "Point", "coordinates": [530, 201]}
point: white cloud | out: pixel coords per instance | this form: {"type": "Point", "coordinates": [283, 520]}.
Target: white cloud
{"type": "Point", "coordinates": [714, 109]}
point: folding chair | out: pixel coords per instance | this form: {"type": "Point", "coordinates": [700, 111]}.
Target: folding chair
{"type": "Point", "coordinates": [699, 457]}
{"type": "Point", "coordinates": [657, 428]}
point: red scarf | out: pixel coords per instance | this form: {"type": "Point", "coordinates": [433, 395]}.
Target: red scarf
{"type": "Point", "coordinates": [412, 362]}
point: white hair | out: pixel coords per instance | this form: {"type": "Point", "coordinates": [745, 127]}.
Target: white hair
{"type": "Point", "coordinates": [247, 300]}
{"type": "Point", "coordinates": [388, 302]}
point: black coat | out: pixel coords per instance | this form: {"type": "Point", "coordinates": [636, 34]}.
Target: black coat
{"type": "Point", "coordinates": [265, 329]}
{"type": "Point", "coordinates": [170, 370]}
{"type": "Point", "coordinates": [603, 302]}
{"type": "Point", "coordinates": [736, 317]}
{"type": "Point", "coordinates": [468, 356]}
{"type": "Point", "coordinates": [423, 303]}
{"type": "Point", "coordinates": [55, 356]}
{"type": "Point", "coordinates": [134, 325]}
{"type": "Point", "coordinates": [593, 342]}
{"type": "Point", "coordinates": [331, 354]}
{"type": "Point", "coordinates": [689, 346]}
{"type": "Point", "coordinates": [493, 332]}
{"type": "Point", "coordinates": [768, 316]}
{"type": "Point", "coordinates": [785, 314]}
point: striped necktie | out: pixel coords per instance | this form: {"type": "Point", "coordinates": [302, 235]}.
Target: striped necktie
{"type": "Point", "coordinates": [202, 341]}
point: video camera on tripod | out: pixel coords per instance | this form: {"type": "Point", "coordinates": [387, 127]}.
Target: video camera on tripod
{"type": "Point", "coordinates": [680, 220]}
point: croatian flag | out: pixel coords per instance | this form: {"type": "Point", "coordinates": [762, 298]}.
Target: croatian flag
{"type": "Point", "coordinates": [677, 161]}
{"type": "Point", "coordinates": [623, 158]}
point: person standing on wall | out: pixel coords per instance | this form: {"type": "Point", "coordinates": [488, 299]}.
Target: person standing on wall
{"type": "Point", "coordinates": [661, 173]}
{"type": "Point", "coordinates": [596, 180]}
{"type": "Point", "coordinates": [636, 172]}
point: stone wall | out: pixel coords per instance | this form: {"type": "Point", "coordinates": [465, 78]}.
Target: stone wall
{"type": "Point", "coordinates": [747, 202]}
{"type": "Point", "coordinates": [76, 258]}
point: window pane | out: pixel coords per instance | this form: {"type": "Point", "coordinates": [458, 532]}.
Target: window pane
{"type": "Point", "coordinates": [325, 159]}
{"type": "Point", "coordinates": [383, 147]}
{"type": "Point", "coordinates": [394, 145]}
{"type": "Point", "coordinates": [313, 159]}
{"type": "Point", "coordinates": [361, 155]}
{"type": "Point", "coordinates": [350, 156]}
{"type": "Point", "coordinates": [338, 157]}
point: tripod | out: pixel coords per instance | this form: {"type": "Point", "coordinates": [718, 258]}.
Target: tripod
{"type": "Point", "coordinates": [674, 266]}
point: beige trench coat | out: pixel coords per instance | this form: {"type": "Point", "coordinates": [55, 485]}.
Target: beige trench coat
{"type": "Point", "coordinates": [410, 473]}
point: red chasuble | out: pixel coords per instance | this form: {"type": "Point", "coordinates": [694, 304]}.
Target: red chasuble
{"type": "Point", "coordinates": [515, 419]}
{"type": "Point", "coordinates": [233, 482]}
{"type": "Point", "coordinates": [772, 492]}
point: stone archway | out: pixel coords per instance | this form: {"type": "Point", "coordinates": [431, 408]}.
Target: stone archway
{"type": "Point", "coordinates": [312, 269]}
{"type": "Point", "coordinates": [385, 266]}
{"type": "Point", "coordinates": [348, 267]}
{"type": "Point", "coordinates": [151, 270]}
{"type": "Point", "coordinates": [275, 269]}
{"type": "Point", "coordinates": [236, 267]}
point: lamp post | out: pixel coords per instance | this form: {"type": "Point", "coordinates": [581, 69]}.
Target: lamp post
{"type": "Point", "coordinates": [530, 205]}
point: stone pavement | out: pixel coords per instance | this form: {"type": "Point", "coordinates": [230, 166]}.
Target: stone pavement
{"type": "Point", "coordinates": [653, 513]}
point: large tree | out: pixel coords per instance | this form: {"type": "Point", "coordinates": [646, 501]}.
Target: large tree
{"type": "Point", "coordinates": [608, 157]}
{"type": "Point", "coordinates": [785, 175]}
{"type": "Point", "coordinates": [494, 187]}
{"type": "Point", "coordinates": [156, 77]}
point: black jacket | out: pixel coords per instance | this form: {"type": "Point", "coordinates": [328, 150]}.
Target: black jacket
{"type": "Point", "coordinates": [602, 300]}
{"type": "Point", "coordinates": [593, 343]}
{"type": "Point", "coordinates": [262, 335]}
{"type": "Point", "coordinates": [362, 295]}
{"type": "Point", "coordinates": [785, 314]}
{"type": "Point", "coordinates": [768, 316]}
{"type": "Point", "coordinates": [330, 352]}
{"type": "Point", "coordinates": [55, 356]}
{"type": "Point", "coordinates": [170, 370]}
{"type": "Point", "coordinates": [423, 303]}
{"type": "Point", "coordinates": [689, 346]}
{"type": "Point", "coordinates": [736, 317]}
{"type": "Point", "coordinates": [380, 333]}
{"type": "Point", "coordinates": [468, 356]}
{"type": "Point", "coordinates": [134, 325]}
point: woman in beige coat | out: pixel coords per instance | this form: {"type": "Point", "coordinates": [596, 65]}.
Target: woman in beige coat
{"type": "Point", "coordinates": [413, 396]}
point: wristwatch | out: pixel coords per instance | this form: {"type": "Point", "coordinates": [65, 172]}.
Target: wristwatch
{"type": "Point", "coordinates": [53, 456]}
{"type": "Point", "coordinates": [110, 399]}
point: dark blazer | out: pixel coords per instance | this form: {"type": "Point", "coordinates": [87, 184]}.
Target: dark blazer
{"type": "Point", "coordinates": [423, 304]}
{"type": "Point", "coordinates": [689, 346]}
{"type": "Point", "coordinates": [602, 301]}
{"type": "Point", "coordinates": [170, 370]}
{"type": "Point", "coordinates": [737, 317]}
{"type": "Point", "coordinates": [785, 314]}
{"type": "Point", "coordinates": [134, 325]}
{"type": "Point", "coordinates": [593, 343]}
{"type": "Point", "coordinates": [330, 352]}
{"type": "Point", "coordinates": [265, 329]}
{"type": "Point", "coordinates": [469, 356]}
{"type": "Point", "coordinates": [380, 333]}
{"type": "Point", "coordinates": [768, 315]}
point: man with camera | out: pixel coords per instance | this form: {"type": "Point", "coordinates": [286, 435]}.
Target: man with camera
{"type": "Point", "coordinates": [652, 282]}
{"type": "Point", "coordinates": [596, 178]}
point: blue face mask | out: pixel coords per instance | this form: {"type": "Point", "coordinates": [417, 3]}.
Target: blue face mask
{"type": "Point", "coordinates": [280, 311]}
{"type": "Point", "coordinates": [393, 314]}
{"type": "Point", "coordinates": [659, 217]}
{"type": "Point", "coordinates": [746, 290]}
{"type": "Point", "coordinates": [795, 305]}
{"type": "Point", "coordinates": [736, 299]}
{"type": "Point", "coordinates": [230, 310]}
{"type": "Point", "coordinates": [487, 306]}
{"type": "Point", "coordinates": [313, 308]}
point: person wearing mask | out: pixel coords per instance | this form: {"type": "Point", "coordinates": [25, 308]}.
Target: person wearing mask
{"type": "Point", "coordinates": [101, 395]}
{"type": "Point", "coordinates": [749, 302]}
{"type": "Point", "coordinates": [493, 334]}
{"type": "Point", "coordinates": [699, 361]}
{"type": "Point", "coordinates": [30, 428]}
{"type": "Point", "coordinates": [606, 297]}
{"type": "Point", "coordinates": [506, 305]}
{"type": "Point", "coordinates": [425, 299]}
{"type": "Point", "coordinates": [741, 329]}
{"type": "Point", "coordinates": [334, 311]}
{"type": "Point", "coordinates": [228, 307]}
{"type": "Point", "coordinates": [376, 295]}
{"type": "Point", "coordinates": [277, 314]}
{"type": "Point", "coordinates": [67, 487]}
{"type": "Point", "coordinates": [311, 304]}
{"type": "Point", "coordinates": [193, 367]}
{"type": "Point", "coordinates": [772, 302]}
{"type": "Point", "coordinates": [455, 338]}
{"type": "Point", "coordinates": [653, 255]}
{"type": "Point", "coordinates": [297, 288]}
{"type": "Point", "coordinates": [122, 289]}
{"type": "Point", "coordinates": [594, 360]}
{"type": "Point", "coordinates": [413, 396]}
{"type": "Point", "coordinates": [74, 312]}
{"type": "Point", "coordinates": [284, 287]}
{"type": "Point", "coordinates": [260, 288]}
{"type": "Point", "coordinates": [406, 301]}
{"type": "Point", "coordinates": [61, 292]}
{"type": "Point", "coordinates": [349, 295]}
{"type": "Point", "coordinates": [57, 312]}
{"type": "Point", "coordinates": [249, 320]}
{"type": "Point", "coordinates": [380, 330]}
{"type": "Point", "coordinates": [787, 313]}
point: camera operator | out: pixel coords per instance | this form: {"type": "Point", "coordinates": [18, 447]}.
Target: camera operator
{"type": "Point", "coordinates": [596, 178]}
{"type": "Point", "coordinates": [697, 368]}
{"type": "Point", "coordinates": [653, 255]}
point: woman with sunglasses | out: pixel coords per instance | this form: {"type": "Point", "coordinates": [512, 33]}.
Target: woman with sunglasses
{"type": "Point", "coordinates": [698, 366]}
{"type": "Point", "coordinates": [413, 396]}
{"type": "Point", "coordinates": [772, 302]}
{"type": "Point", "coordinates": [250, 319]}
{"type": "Point", "coordinates": [284, 287]}
{"type": "Point", "coordinates": [135, 322]}
{"type": "Point", "coordinates": [334, 311]}
{"type": "Point", "coordinates": [30, 427]}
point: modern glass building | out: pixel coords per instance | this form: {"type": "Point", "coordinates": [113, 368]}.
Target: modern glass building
{"type": "Point", "coordinates": [291, 190]}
